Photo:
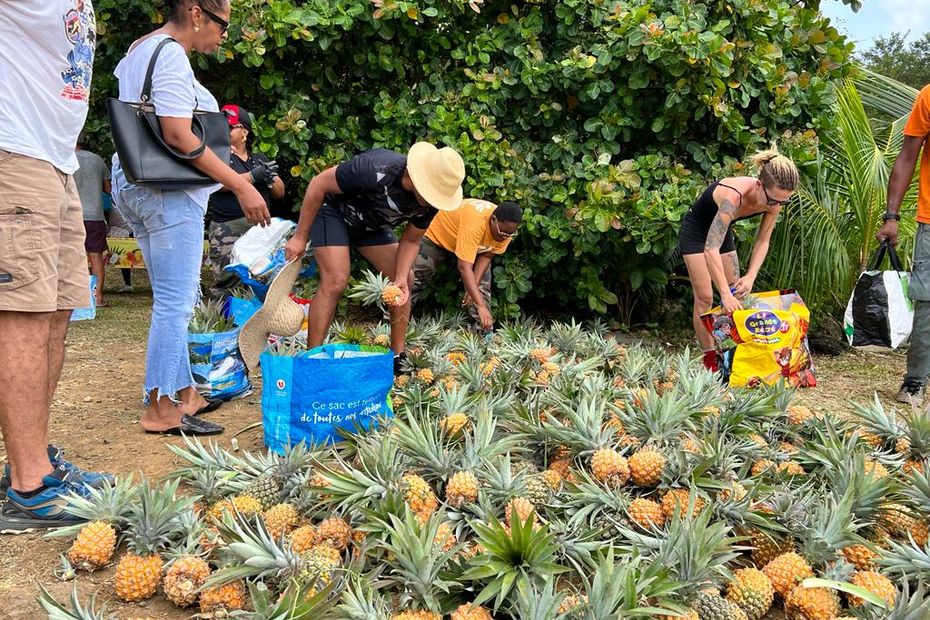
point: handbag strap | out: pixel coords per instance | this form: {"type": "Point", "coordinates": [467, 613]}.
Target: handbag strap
{"type": "Point", "coordinates": [153, 122]}
{"type": "Point", "coordinates": [884, 247]}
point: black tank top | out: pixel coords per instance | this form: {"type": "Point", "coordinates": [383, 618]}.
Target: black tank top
{"type": "Point", "coordinates": [705, 208]}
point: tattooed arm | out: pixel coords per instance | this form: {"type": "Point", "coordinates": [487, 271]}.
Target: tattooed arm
{"type": "Point", "coordinates": [726, 212]}
{"type": "Point", "coordinates": [760, 248]}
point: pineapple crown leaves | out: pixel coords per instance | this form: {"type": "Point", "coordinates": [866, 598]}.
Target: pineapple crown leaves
{"type": "Point", "coordinates": [907, 606]}
{"type": "Point", "coordinates": [297, 458]}
{"type": "Point", "coordinates": [917, 432]}
{"type": "Point", "coordinates": [696, 550]}
{"type": "Point", "coordinates": [660, 419]}
{"type": "Point", "coordinates": [578, 548]}
{"type": "Point", "coordinates": [523, 554]}
{"type": "Point", "coordinates": [484, 444]}
{"type": "Point", "coordinates": [916, 487]}
{"type": "Point", "coordinates": [289, 346]}
{"type": "Point", "coordinates": [361, 601]}
{"type": "Point", "coordinates": [499, 481]}
{"type": "Point", "coordinates": [538, 601]}
{"type": "Point", "coordinates": [418, 563]}
{"type": "Point", "coordinates": [77, 611]}
{"type": "Point", "coordinates": [200, 456]}
{"type": "Point", "coordinates": [109, 503]}
{"type": "Point", "coordinates": [370, 288]}
{"type": "Point", "coordinates": [209, 483]}
{"type": "Point", "coordinates": [617, 590]}
{"type": "Point", "coordinates": [828, 528]}
{"type": "Point", "coordinates": [254, 553]}
{"type": "Point", "coordinates": [590, 501]}
{"type": "Point", "coordinates": [350, 334]}
{"type": "Point", "coordinates": [154, 521]}
{"type": "Point", "coordinates": [193, 527]}
{"type": "Point", "coordinates": [907, 559]}
{"type": "Point", "coordinates": [874, 418]}
{"type": "Point", "coordinates": [297, 601]}
{"type": "Point", "coordinates": [423, 440]}
{"type": "Point", "coordinates": [209, 318]}
{"type": "Point", "coordinates": [756, 407]}
{"type": "Point", "coordinates": [583, 426]}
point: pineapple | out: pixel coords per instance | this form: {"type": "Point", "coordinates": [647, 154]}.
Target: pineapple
{"type": "Point", "coordinates": [470, 612]}
{"type": "Point", "coordinates": [861, 556]}
{"type": "Point", "coordinates": [445, 537]}
{"type": "Point", "coordinates": [418, 495]}
{"type": "Point", "coordinates": [761, 466]}
{"type": "Point", "coordinates": [184, 578]}
{"type": "Point", "coordinates": [224, 598]}
{"type": "Point", "coordinates": [571, 602]}
{"type": "Point", "coordinates": [787, 571]}
{"type": "Point", "coordinates": [377, 289]}
{"type": "Point", "coordinates": [93, 547]}
{"type": "Point", "coordinates": [752, 591]}
{"type": "Point", "coordinates": [537, 491]}
{"type": "Point", "coordinates": [392, 295]}
{"type": "Point", "coordinates": [281, 519]}
{"type": "Point", "coordinates": [522, 506]}
{"type": "Point", "coordinates": [877, 584]}
{"type": "Point", "coordinates": [812, 604]}
{"type": "Point", "coordinates": [461, 489]}
{"type": "Point", "coordinates": [417, 614]}
{"type": "Point", "coordinates": [646, 467]}
{"type": "Point", "coordinates": [713, 607]}
{"type": "Point", "coordinates": [453, 424]}
{"type": "Point", "coordinates": [320, 562]}
{"type": "Point", "coordinates": [266, 489]}
{"type": "Point", "coordinates": [677, 500]}
{"type": "Point", "coordinates": [552, 479]}
{"type": "Point", "coordinates": [334, 531]}
{"type": "Point", "coordinates": [799, 414]}
{"type": "Point", "coordinates": [790, 468]}
{"type": "Point", "coordinates": [765, 548]}
{"type": "Point", "coordinates": [303, 538]}
{"type": "Point", "coordinates": [154, 523]}
{"type": "Point", "coordinates": [609, 467]}
{"type": "Point", "coordinates": [246, 505]}
{"type": "Point", "coordinates": [646, 513]}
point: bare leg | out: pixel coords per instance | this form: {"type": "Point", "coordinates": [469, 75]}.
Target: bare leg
{"type": "Point", "coordinates": [703, 296]}
{"type": "Point", "coordinates": [382, 258]}
{"type": "Point", "coordinates": [333, 263]}
{"type": "Point", "coordinates": [58, 331]}
{"type": "Point", "coordinates": [97, 269]}
{"type": "Point", "coordinates": [25, 368]}
{"type": "Point", "coordinates": [191, 400]}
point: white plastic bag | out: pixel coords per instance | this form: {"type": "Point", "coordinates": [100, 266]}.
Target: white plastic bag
{"type": "Point", "coordinates": [255, 248]}
{"type": "Point", "coordinates": [880, 314]}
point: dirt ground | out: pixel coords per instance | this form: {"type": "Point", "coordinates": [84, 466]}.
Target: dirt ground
{"type": "Point", "coordinates": [95, 419]}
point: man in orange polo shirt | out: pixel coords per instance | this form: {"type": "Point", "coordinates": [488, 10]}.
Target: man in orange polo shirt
{"type": "Point", "coordinates": [473, 234]}
{"type": "Point", "coordinates": [916, 134]}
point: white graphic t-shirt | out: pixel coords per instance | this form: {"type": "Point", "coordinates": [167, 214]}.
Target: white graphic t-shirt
{"type": "Point", "coordinates": [46, 60]}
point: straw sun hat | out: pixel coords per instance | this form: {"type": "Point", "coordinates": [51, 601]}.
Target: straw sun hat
{"type": "Point", "coordinates": [437, 175]}
{"type": "Point", "coordinates": [279, 315]}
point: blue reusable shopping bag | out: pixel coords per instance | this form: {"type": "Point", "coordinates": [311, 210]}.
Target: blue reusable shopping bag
{"type": "Point", "coordinates": [217, 366]}
{"type": "Point", "coordinates": [241, 310]}
{"type": "Point", "coordinates": [310, 397]}
{"type": "Point", "coordinates": [89, 312]}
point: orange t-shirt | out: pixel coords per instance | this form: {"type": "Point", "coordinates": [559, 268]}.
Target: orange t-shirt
{"type": "Point", "coordinates": [918, 126]}
{"type": "Point", "coordinates": [465, 231]}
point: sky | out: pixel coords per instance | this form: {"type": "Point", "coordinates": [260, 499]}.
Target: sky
{"type": "Point", "coordinates": [878, 18]}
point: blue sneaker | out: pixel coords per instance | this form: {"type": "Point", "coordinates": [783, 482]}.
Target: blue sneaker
{"type": "Point", "coordinates": [56, 456]}
{"type": "Point", "coordinates": [45, 510]}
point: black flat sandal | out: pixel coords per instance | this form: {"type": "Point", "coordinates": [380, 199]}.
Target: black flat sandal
{"type": "Point", "coordinates": [191, 426]}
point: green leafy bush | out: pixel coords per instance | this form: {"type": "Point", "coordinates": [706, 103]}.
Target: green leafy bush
{"type": "Point", "coordinates": [603, 118]}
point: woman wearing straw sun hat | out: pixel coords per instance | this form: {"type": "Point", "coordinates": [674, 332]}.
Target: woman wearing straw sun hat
{"type": "Point", "coordinates": [357, 204]}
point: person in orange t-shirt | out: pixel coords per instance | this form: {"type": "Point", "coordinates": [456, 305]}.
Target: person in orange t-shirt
{"type": "Point", "coordinates": [474, 233]}
{"type": "Point", "coordinates": [916, 135]}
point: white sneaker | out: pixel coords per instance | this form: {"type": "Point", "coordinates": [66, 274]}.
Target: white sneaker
{"type": "Point", "coordinates": [126, 288]}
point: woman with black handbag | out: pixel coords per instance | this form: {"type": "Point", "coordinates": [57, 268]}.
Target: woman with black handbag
{"type": "Point", "coordinates": [168, 223]}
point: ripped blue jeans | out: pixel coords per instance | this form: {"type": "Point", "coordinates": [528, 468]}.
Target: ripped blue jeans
{"type": "Point", "coordinates": [169, 228]}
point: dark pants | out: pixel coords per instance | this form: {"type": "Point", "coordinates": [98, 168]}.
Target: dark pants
{"type": "Point", "coordinates": [429, 259]}
{"type": "Point", "coordinates": [918, 352]}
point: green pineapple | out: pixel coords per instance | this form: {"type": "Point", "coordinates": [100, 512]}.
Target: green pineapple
{"type": "Point", "coordinates": [266, 489]}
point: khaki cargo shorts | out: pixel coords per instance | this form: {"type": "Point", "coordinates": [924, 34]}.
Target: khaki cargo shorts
{"type": "Point", "coordinates": [43, 267]}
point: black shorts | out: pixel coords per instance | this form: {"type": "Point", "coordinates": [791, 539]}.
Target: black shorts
{"type": "Point", "coordinates": [692, 238]}
{"type": "Point", "coordinates": [330, 229]}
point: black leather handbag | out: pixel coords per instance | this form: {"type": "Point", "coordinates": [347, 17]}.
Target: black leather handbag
{"type": "Point", "coordinates": [145, 157]}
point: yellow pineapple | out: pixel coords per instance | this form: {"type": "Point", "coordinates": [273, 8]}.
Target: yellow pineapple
{"type": "Point", "coordinates": [552, 479]}
{"type": "Point", "coordinates": [646, 513]}
{"type": "Point", "coordinates": [247, 505]}
{"type": "Point", "coordinates": [759, 440]}
{"type": "Point", "coordinates": [790, 468]}
{"type": "Point", "coordinates": [320, 563]}
{"type": "Point", "coordinates": [735, 490]}
{"type": "Point", "coordinates": [572, 602]}
{"type": "Point", "coordinates": [812, 604]}
{"type": "Point", "coordinates": [418, 495]}
{"type": "Point", "coordinates": [877, 584]}
{"type": "Point", "coordinates": [765, 548]}
{"type": "Point", "coordinates": [303, 538]}
{"type": "Point", "coordinates": [646, 467]}
{"type": "Point", "coordinates": [676, 500]}
{"type": "Point", "coordinates": [153, 522]}
{"type": "Point", "coordinates": [786, 572]}
{"type": "Point", "coordinates": [335, 532]}
{"type": "Point", "coordinates": [392, 295]}
{"type": "Point", "coordinates": [761, 466]}
{"type": "Point", "coordinates": [875, 469]}
{"type": "Point", "coordinates": [281, 519]}
{"type": "Point", "coordinates": [751, 591]}
{"type": "Point", "coordinates": [609, 467]}
{"type": "Point", "coordinates": [445, 537]}
{"type": "Point", "coordinates": [417, 614]}
{"type": "Point", "coordinates": [382, 340]}
{"type": "Point", "coordinates": [93, 547]}
{"type": "Point", "coordinates": [540, 355]}
{"type": "Point", "coordinates": [225, 598]}
{"type": "Point", "coordinates": [425, 375]}
{"type": "Point", "coordinates": [799, 414]}
{"type": "Point", "coordinates": [690, 445]}
{"type": "Point", "coordinates": [523, 507]}
{"type": "Point", "coordinates": [456, 357]}
{"type": "Point", "coordinates": [453, 424]}
{"type": "Point", "coordinates": [860, 556]}
{"type": "Point", "coordinates": [461, 489]}
{"type": "Point", "coordinates": [184, 578]}
{"type": "Point", "coordinates": [470, 612]}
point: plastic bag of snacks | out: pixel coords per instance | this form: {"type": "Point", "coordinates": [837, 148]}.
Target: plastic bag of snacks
{"type": "Point", "coordinates": [764, 342]}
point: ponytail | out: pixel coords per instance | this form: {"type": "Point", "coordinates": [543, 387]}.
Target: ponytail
{"type": "Point", "coordinates": [773, 168]}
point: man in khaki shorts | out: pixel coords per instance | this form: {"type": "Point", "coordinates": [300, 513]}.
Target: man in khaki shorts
{"type": "Point", "coordinates": [43, 270]}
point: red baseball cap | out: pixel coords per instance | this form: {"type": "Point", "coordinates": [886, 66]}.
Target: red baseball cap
{"type": "Point", "coordinates": [237, 115]}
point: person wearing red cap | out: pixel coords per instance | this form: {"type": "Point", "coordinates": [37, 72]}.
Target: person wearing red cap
{"type": "Point", "coordinates": [227, 221]}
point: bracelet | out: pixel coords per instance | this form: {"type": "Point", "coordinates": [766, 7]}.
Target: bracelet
{"type": "Point", "coordinates": [891, 216]}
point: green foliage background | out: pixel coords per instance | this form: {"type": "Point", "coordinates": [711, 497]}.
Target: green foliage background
{"type": "Point", "coordinates": [603, 118]}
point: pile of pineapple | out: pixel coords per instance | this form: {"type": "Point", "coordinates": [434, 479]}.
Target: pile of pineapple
{"type": "Point", "coordinates": [540, 474]}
